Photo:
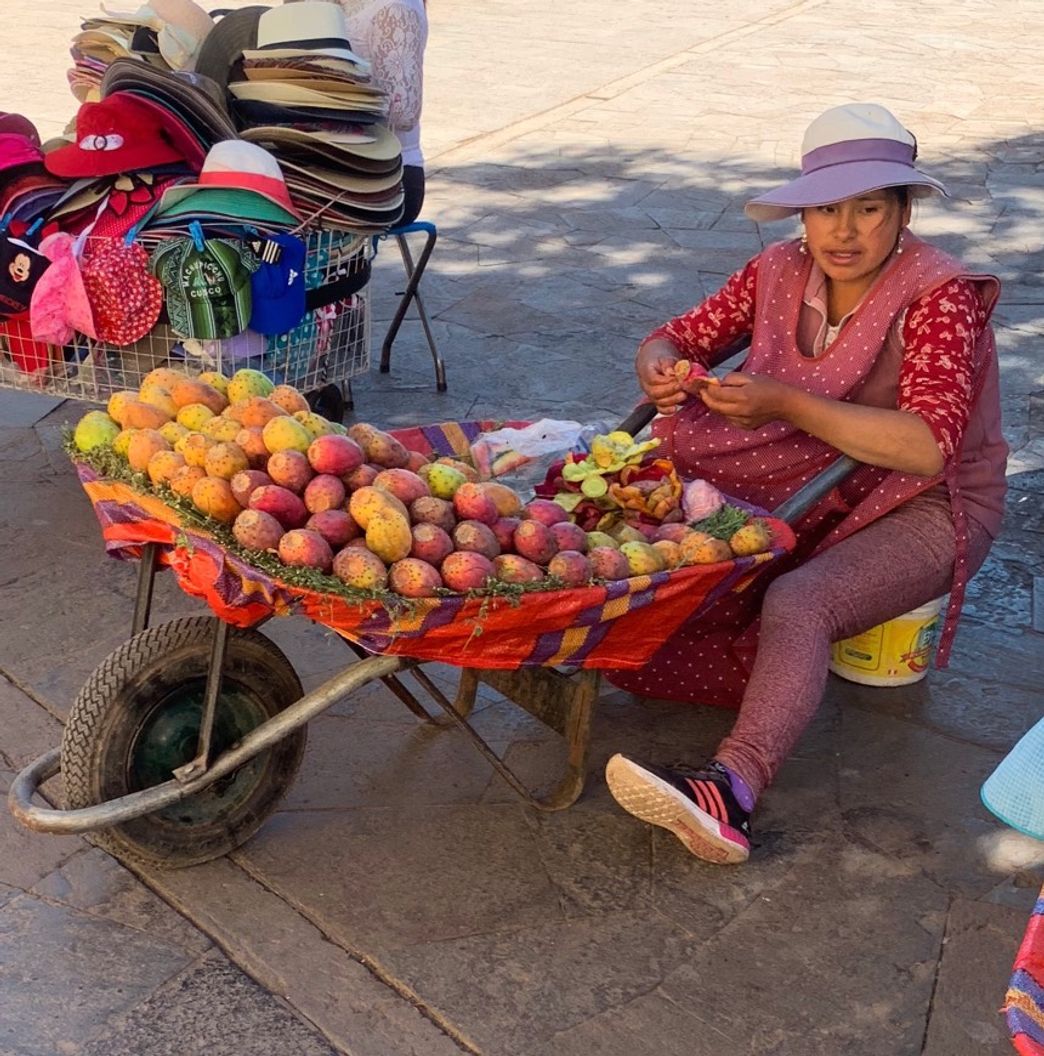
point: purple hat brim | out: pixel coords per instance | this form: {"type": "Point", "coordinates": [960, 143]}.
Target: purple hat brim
{"type": "Point", "coordinates": [836, 183]}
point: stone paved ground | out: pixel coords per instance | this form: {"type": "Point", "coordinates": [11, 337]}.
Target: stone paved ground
{"type": "Point", "coordinates": [589, 163]}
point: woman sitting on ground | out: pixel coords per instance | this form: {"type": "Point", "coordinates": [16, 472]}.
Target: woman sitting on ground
{"type": "Point", "coordinates": [865, 340]}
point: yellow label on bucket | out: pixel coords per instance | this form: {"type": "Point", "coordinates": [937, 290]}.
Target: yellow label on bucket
{"type": "Point", "coordinates": [895, 653]}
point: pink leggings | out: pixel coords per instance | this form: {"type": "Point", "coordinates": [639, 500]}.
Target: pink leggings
{"type": "Point", "coordinates": [890, 567]}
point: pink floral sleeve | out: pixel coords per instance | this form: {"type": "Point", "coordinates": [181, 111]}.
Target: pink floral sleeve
{"type": "Point", "coordinates": [708, 332]}
{"type": "Point", "coordinates": [935, 379]}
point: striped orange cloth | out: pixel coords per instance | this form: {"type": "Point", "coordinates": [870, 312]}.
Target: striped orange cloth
{"type": "Point", "coordinates": [1024, 1001]}
{"type": "Point", "coordinates": [611, 625]}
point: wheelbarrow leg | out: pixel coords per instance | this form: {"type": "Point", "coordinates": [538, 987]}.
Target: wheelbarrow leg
{"type": "Point", "coordinates": [146, 581]}
{"type": "Point", "coordinates": [564, 704]}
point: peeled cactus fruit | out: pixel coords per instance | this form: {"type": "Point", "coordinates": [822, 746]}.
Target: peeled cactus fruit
{"type": "Point", "coordinates": [753, 538]}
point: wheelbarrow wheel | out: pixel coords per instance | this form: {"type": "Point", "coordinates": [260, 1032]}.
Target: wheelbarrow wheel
{"type": "Point", "coordinates": [137, 719]}
{"type": "Point", "coordinates": [328, 401]}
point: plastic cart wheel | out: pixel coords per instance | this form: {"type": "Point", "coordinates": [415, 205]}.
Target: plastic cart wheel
{"type": "Point", "coordinates": [137, 719]}
{"type": "Point", "coordinates": [328, 401]}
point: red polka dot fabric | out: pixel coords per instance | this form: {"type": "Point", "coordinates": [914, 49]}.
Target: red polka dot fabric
{"type": "Point", "coordinates": [125, 298]}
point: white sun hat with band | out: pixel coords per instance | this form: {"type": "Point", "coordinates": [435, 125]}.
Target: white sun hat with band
{"type": "Point", "coordinates": [848, 151]}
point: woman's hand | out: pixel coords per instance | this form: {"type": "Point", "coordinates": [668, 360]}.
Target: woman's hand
{"type": "Point", "coordinates": [654, 366]}
{"type": "Point", "coordinates": [748, 401]}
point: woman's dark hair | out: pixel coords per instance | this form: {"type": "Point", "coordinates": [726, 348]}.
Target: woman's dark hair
{"type": "Point", "coordinates": [901, 195]}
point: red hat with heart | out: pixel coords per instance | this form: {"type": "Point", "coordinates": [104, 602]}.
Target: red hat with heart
{"type": "Point", "coordinates": [119, 134]}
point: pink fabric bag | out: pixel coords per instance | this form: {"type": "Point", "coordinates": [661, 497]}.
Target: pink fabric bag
{"type": "Point", "coordinates": [59, 306]}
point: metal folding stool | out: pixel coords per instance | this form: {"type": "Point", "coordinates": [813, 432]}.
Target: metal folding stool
{"type": "Point", "coordinates": [414, 273]}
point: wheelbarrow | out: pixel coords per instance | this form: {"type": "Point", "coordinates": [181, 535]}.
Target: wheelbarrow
{"type": "Point", "coordinates": [185, 738]}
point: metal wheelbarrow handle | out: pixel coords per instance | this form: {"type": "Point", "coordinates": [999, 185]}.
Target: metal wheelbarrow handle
{"type": "Point", "coordinates": [791, 509]}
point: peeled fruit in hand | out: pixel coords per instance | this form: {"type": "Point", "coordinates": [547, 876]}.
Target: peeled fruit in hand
{"type": "Point", "coordinates": [143, 445]}
{"type": "Point", "coordinates": [753, 538]}
{"type": "Point", "coordinates": [289, 469]}
{"type": "Point", "coordinates": [245, 383]}
{"type": "Point", "coordinates": [163, 465]}
{"type": "Point", "coordinates": [335, 526]}
{"type": "Point", "coordinates": [334, 454]}
{"type": "Point", "coordinates": [286, 507]}
{"type": "Point", "coordinates": [466, 570]}
{"type": "Point", "coordinates": [513, 568]}
{"type": "Point", "coordinates": [94, 429]}
{"type": "Point", "coordinates": [608, 563]}
{"type": "Point", "coordinates": [246, 482]}
{"type": "Point", "coordinates": [257, 530]}
{"type": "Point", "coordinates": [413, 578]}
{"type": "Point", "coordinates": [225, 460]}
{"type": "Point", "coordinates": [213, 496]}
{"type": "Point", "coordinates": [476, 536]}
{"type": "Point", "coordinates": [430, 510]}
{"type": "Point", "coordinates": [357, 567]}
{"type": "Point", "coordinates": [286, 434]}
{"type": "Point", "coordinates": [287, 397]}
{"type": "Point", "coordinates": [430, 543]}
{"type": "Point", "coordinates": [443, 481]}
{"type": "Point", "coordinates": [324, 492]}
{"type": "Point", "coordinates": [699, 548]}
{"type": "Point", "coordinates": [533, 539]}
{"type": "Point", "coordinates": [305, 549]}
{"type": "Point", "coordinates": [388, 535]}
{"type": "Point", "coordinates": [472, 503]}
{"type": "Point", "coordinates": [545, 511]}
{"type": "Point", "coordinates": [642, 558]}
{"type": "Point", "coordinates": [571, 567]}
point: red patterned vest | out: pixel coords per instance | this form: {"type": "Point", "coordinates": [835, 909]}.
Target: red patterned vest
{"type": "Point", "coordinates": [766, 465]}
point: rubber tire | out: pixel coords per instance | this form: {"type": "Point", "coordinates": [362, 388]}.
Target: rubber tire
{"type": "Point", "coordinates": [328, 401]}
{"type": "Point", "coordinates": [129, 687]}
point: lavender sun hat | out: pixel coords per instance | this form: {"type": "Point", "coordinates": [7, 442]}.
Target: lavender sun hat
{"type": "Point", "coordinates": [848, 151]}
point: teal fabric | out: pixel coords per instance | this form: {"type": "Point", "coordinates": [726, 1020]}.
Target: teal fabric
{"type": "Point", "coordinates": [1015, 790]}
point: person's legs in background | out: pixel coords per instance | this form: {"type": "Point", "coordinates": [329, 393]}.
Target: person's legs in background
{"type": "Point", "coordinates": [413, 189]}
{"type": "Point", "coordinates": [890, 567]}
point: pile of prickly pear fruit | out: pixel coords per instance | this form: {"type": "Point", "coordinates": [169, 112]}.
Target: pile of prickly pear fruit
{"type": "Point", "coordinates": [355, 503]}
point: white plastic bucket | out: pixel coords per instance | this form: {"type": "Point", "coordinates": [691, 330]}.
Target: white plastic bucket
{"type": "Point", "coordinates": [895, 653]}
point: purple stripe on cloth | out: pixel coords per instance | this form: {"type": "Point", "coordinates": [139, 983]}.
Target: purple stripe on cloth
{"type": "Point", "coordinates": [1020, 1023]}
{"type": "Point", "coordinates": [856, 150]}
{"type": "Point", "coordinates": [108, 511]}
{"type": "Point", "coordinates": [1022, 981]}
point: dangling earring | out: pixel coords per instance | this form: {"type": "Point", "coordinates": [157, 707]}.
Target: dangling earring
{"type": "Point", "coordinates": [803, 244]}
{"type": "Point", "coordinates": [899, 244]}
